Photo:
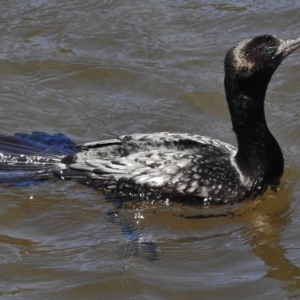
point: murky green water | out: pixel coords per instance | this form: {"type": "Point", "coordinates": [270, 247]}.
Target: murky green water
{"type": "Point", "coordinates": [96, 69]}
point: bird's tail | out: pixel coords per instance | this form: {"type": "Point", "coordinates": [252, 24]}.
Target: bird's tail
{"type": "Point", "coordinates": [25, 158]}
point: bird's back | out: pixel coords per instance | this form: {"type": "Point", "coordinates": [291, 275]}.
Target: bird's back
{"type": "Point", "coordinates": [160, 165]}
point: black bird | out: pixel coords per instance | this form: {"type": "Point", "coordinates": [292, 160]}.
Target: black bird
{"type": "Point", "coordinates": [172, 165]}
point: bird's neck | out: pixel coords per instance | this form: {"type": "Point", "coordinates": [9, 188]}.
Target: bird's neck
{"type": "Point", "coordinates": [259, 154]}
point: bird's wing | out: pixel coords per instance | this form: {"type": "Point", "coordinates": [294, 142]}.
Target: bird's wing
{"type": "Point", "coordinates": [169, 163]}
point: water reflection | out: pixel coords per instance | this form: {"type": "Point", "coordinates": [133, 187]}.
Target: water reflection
{"type": "Point", "coordinates": [268, 218]}
{"type": "Point", "coordinates": [135, 242]}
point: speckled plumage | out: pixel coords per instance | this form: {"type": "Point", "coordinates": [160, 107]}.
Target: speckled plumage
{"type": "Point", "coordinates": [153, 165]}
{"type": "Point", "coordinates": [178, 165]}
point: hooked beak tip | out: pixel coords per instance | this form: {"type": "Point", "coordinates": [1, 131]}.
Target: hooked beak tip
{"type": "Point", "coordinates": [291, 46]}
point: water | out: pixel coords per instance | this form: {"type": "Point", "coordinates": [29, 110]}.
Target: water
{"type": "Point", "coordinates": [96, 69]}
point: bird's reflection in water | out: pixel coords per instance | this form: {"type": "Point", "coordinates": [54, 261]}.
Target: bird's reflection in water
{"type": "Point", "coordinates": [268, 217]}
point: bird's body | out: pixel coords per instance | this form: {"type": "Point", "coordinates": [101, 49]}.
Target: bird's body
{"type": "Point", "coordinates": [177, 165]}
{"type": "Point", "coordinates": [163, 164]}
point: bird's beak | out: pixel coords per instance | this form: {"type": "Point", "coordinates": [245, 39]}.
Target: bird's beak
{"type": "Point", "coordinates": [287, 47]}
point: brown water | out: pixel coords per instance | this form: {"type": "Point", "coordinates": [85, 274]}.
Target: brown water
{"type": "Point", "coordinates": [96, 69]}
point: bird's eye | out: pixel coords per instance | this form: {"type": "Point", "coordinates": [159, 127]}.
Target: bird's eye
{"type": "Point", "coordinates": [271, 51]}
